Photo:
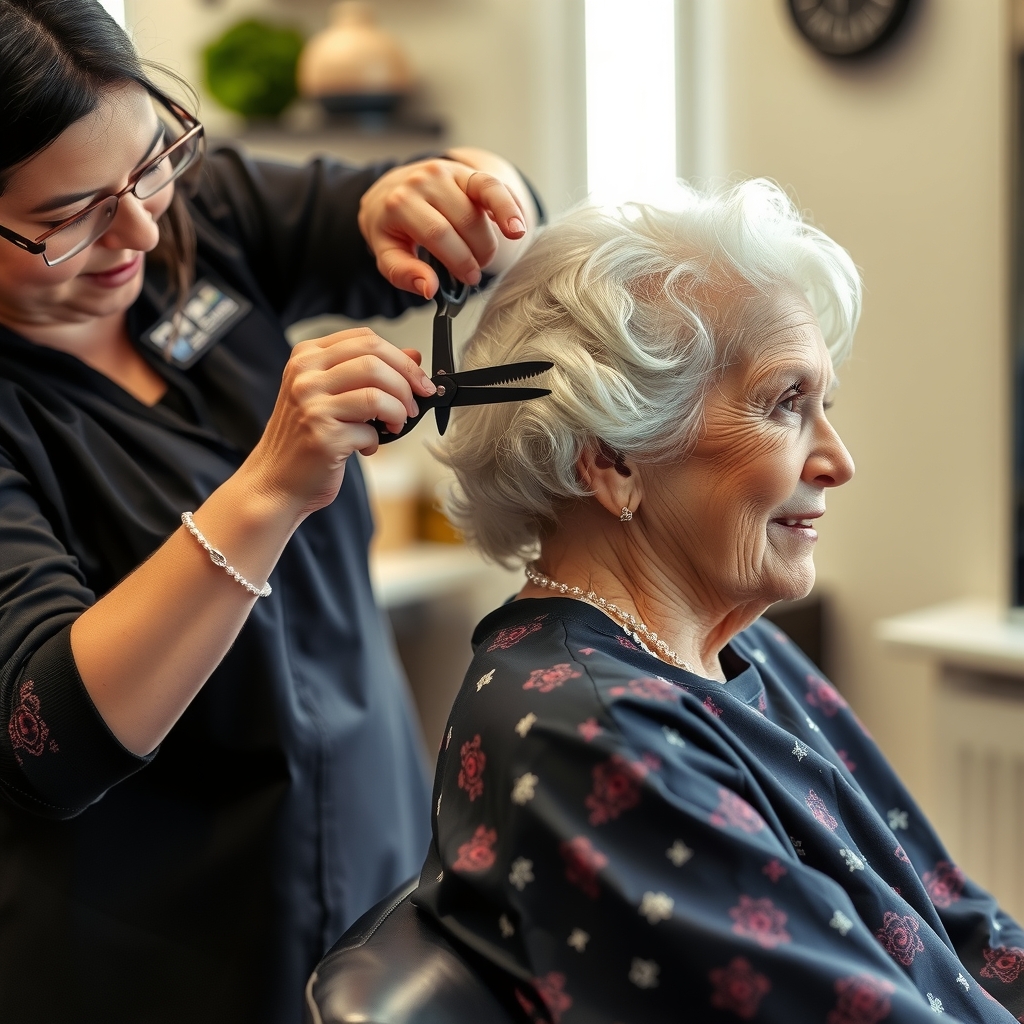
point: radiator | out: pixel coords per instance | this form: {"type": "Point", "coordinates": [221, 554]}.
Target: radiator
{"type": "Point", "coordinates": [980, 775]}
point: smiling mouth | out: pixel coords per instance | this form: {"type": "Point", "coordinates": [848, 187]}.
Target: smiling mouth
{"type": "Point", "coordinates": [803, 523]}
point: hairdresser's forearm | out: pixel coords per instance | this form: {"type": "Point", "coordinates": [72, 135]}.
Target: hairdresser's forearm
{"type": "Point", "coordinates": [145, 649]}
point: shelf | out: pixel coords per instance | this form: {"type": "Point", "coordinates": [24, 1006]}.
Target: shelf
{"type": "Point", "coordinates": [422, 571]}
{"type": "Point", "coordinates": [350, 148]}
{"type": "Point", "coordinates": [971, 634]}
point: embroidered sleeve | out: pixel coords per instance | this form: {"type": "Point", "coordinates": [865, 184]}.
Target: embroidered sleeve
{"type": "Point", "coordinates": [57, 755]}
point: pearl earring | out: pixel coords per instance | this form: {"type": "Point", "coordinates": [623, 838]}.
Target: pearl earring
{"type": "Point", "coordinates": [625, 516]}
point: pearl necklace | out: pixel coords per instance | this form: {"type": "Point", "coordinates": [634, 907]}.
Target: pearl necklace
{"type": "Point", "coordinates": [630, 623]}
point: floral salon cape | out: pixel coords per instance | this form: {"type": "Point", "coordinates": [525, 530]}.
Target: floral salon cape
{"type": "Point", "coordinates": [618, 840]}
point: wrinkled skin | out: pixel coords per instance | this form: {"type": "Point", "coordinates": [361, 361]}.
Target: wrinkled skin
{"type": "Point", "coordinates": [707, 551]}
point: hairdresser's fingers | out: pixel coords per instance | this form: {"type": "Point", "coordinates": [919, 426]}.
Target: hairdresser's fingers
{"type": "Point", "coordinates": [395, 218]}
{"type": "Point", "coordinates": [499, 201]}
{"type": "Point", "coordinates": [430, 229]}
{"type": "Point", "coordinates": [476, 205]}
{"type": "Point", "coordinates": [365, 404]}
{"type": "Point", "coordinates": [335, 349]}
{"type": "Point", "coordinates": [369, 372]}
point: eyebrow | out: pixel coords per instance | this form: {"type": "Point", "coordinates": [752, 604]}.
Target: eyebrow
{"type": "Point", "coordinates": [789, 370]}
{"type": "Point", "coordinates": [59, 202]}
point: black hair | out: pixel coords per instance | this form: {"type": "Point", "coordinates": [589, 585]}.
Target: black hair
{"type": "Point", "coordinates": [56, 59]}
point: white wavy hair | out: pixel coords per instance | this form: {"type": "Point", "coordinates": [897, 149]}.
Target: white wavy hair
{"type": "Point", "coordinates": [640, 309]}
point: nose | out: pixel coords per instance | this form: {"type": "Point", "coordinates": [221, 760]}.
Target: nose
{"type": "Point", "coordinates": [830, 464]}
{"type": "Point", "coordinates": [133, 227]}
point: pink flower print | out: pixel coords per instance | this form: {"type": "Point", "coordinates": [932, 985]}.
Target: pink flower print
{"type": "Point", "coordinates": [901, 854]}
{"type": "Point", "coordinates": [1004, 963]}
{"type": "Point", "coordinates": [649, 687]}
{"type": "Point", "coordinates": [587, 650]}
{"type": "Point", "coordinates": [511, 635]}
{"type": "Point", "coordinates": [734, 812]}
{"type": "Point", "coordinates": [823, 696]}
{"type": "Point", "coordinates": [582, 863]}
{"type": "Point", "coordinates": [944, 883]}
{"type": "Point", "coordinates": [899, 938]}
{"type": "Point", "coordinates": [548, 679]}
{"type": "Point", "coordinates": [26, 727]}
{"type": "Point", "coordinates": [759, 920]}
{"type": "Point", "coordinates": [477, 854]}
{"type": "Point", "coordinates": [710, 705]}
{"type": "Point", "coordinates": [774, 870]}
{"type": "Point", "coordinates": [820, 811]}
{"type": "Point", "coordinates": [851, 766]}
{"type": "Point", "coordinates": [738, 988]}
{"type": "Point", "coordinates": [863, 999]}
{"type": "Point", "coordinates": [589, 729]}
{"type": "Point", "coordinates": [780, 637]}
{"type": "Point", "coordinates": [616, 788]}
{"type": "Point", "coordinates": [762, 702]}
{"type": "Point", "coordinates": [624, 641]}
{"type": "Point", "coordinates": [473, 762]}
{"type": "Point", "coordinates": [650, 761]}
{"type": "Point", "coordinates": [527, 1004]}
{"type": "Point", "coordinates": [551, 989]}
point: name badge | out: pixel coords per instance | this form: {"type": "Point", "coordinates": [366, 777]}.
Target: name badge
{"type": "Point", "coordinates": [211, 310]}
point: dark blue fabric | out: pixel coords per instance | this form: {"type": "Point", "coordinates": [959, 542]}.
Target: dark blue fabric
{"type": "Point", "coordinates": [620, 840]}
{"type": "Point", "coordinates": [292, 794]}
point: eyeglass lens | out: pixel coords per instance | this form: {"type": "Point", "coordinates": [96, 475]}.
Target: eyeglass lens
{"type": "Point", "coordinates": [74, 237]}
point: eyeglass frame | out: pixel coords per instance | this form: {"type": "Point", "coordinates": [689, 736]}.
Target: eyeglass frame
{"type": "Point", "coordinates": [193, 129]}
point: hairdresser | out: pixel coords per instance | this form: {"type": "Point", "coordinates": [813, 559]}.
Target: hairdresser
{"type": "Point", "coordinates": [208, 763]}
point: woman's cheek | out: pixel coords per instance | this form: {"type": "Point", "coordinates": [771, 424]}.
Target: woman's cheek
{"type": "Point", "coordinates": [159, 204]}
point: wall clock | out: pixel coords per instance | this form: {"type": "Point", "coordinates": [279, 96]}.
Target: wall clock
{"type": "Point", "coordinates": [847, 28]}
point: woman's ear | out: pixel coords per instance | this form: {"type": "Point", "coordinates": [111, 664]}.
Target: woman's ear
{"type": "Point", "coordinates": [612, 479]}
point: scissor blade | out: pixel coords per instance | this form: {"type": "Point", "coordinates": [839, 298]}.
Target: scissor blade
{"type": "Point", "coordinates": [501, 374]}
{"type": "Point", "coordinates": [488, 396]}
{"type": "Point", "coordinates": [442, 413]}
{"type": "Point", "coordinates": [442, 356]}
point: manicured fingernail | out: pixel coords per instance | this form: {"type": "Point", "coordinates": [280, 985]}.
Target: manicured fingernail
{"type": "Point", "coordinates": [516, 227]}
{"type": "Point", "coordinates": [473, 277]}
{"type": "Point", "coordinates": [428, 385]}
{"type": "Point", "coordinates": [420, 284]}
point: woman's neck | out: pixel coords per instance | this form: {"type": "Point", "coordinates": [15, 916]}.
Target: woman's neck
{"type": "Point", "coordinates": [104, 344]}
{"type": "Point", "coordinates": [617, 567]}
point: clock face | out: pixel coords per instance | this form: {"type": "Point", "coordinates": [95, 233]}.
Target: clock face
{"type": "Point", "coordinates": [846, 28]}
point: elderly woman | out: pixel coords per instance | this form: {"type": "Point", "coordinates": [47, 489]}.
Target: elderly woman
{"type": "Point", "coordinates": [649, 804]}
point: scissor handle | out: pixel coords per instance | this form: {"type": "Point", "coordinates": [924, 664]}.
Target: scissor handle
{"type": "Point", "coordinates": [451, 294]}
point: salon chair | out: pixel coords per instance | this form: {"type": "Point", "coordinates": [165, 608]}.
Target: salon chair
{"type": "Point", "coordinates": [393, 966]}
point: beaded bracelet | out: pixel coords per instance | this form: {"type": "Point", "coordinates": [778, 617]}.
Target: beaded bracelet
{"type": "Point", "coordinates": [220, 560]}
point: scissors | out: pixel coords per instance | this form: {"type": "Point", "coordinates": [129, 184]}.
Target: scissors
{"type": "Point", "coordinates": [469, 387]}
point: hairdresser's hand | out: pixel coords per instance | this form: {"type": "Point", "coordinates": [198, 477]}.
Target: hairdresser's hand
{"type": "Point", "coordinates": [460, 210]}
{"type": "Point", "coordinates": [330, 388]}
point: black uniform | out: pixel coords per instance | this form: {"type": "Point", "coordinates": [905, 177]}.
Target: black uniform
{"type": "Point", "coordinates": [201, 883]}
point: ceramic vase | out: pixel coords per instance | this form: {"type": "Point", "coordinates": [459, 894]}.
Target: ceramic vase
{"type": "Point", "coordinates": [353, 65]}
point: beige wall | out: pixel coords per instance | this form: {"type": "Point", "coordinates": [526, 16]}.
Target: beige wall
{"type": "Point", "coordinates": [504, 74]}
{"type": "Point", "coordinates": [904, 159]}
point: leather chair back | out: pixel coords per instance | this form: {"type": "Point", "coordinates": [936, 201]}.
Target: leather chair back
{"type": "Point", "coordinates": [394, 967]}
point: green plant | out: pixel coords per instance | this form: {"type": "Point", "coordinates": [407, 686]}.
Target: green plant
{"type": "Point", "coordinates": [251, 68]}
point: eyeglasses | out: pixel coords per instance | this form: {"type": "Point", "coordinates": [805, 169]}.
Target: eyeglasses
{"type": "Point", "coordinates": [71, 236]}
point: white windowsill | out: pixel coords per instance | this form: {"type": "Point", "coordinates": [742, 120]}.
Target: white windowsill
{"type": "Point", "coordinates": [973, 634]}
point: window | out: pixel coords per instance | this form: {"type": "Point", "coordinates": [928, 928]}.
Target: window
{"type": "Point", "coordinates": [631, 98]}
